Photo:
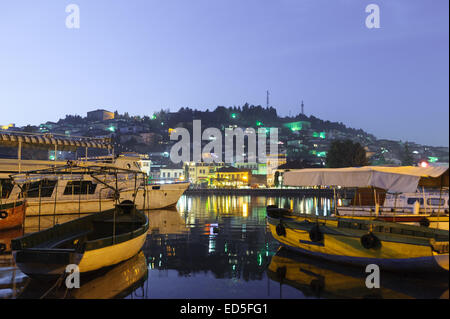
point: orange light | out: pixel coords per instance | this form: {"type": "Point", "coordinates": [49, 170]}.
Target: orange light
{"type": "Point", "coordinates": [424, 164]}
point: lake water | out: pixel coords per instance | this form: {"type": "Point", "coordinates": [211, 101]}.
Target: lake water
{"type": "Point", "coordinates": [221, 247]}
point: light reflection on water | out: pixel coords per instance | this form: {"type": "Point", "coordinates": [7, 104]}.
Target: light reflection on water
{"type": "Point", "coordinates": [221, 247]}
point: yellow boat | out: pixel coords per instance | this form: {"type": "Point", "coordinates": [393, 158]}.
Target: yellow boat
{"type": "Point", "coordinates": [319, 279]}
{"type": "Point", "coordinates": [389, 245]}
{"type": "Point", "coordinates": [91, 242]}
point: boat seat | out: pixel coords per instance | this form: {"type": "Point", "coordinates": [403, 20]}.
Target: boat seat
{"type": "Point", "coordinates": [103, 228]}
{"type": "Point", "coordinates": [59, 241]}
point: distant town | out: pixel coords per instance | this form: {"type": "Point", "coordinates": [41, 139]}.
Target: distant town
{"type": "Point", "coordinates": [304, 141]}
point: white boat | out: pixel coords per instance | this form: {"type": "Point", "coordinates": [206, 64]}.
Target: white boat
{"type": "Point", "coordinates": [394, 194]}
{"type": "Point", "coordinates": [72, 189]}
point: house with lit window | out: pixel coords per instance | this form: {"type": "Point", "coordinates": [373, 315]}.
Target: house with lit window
{"type": "Point", "coordinates": [172, 172]}
{"type": "Point", "coordinates": [231, 177]}
{"type": "Point", "coordinates": [201, 173]}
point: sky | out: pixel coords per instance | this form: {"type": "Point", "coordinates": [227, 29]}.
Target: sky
{"type": "Point", "coordinates": [139, 56]}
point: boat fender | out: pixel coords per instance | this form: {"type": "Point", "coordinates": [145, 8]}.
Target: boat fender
{"type": "Point", "coordinates": [369, 241]}
{"type": "Point", "coordinates": [3, 214]}
{"type": "Point", "coordinates": [281, 231]}
{"type": "Point", "coordinates": [425, 222]}
{"type": "Point", "coordinates": [281, 273]}
{"type": "Point", "coordinates": [317, 286]}
{"type": "Point", "coordinates": [315, 234]}
{"type": "Point", "coordinates": [2, 247]}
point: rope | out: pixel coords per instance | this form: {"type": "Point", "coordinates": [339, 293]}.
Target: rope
{"type": "Point", "coordinates": [56, 284]}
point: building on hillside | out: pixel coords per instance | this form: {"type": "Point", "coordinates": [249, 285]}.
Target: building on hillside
{"type": "Point", "coordinates": [172, 172]}
{"type": "Point", "coordinates": [100, 115]}
{"type": "Point", "coordinates": [298, 125]}
{"type": "Point", "coordinates": [273, 161]}
{"type": "Point", "coordinates": [231, 177]}
{"type": "Point", "coordinates": [201, 173]}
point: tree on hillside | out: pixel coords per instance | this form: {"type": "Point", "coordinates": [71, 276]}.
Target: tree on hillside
{"type": "Point", "coordinates": [406, 156]}
{"type": "Point", "coordinates": [346, 154]}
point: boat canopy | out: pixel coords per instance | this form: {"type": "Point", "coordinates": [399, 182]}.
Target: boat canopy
{"type": "Point", "coordinates": [402, 179]}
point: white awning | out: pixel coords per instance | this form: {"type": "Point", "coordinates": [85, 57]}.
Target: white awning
{"type": "Point", "coordinates": [402, 179]}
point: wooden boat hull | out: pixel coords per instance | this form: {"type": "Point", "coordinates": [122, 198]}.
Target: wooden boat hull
{"type": "Point", "coordinates": [45, 264]}
{"type": "Point", "coordinates": [154, 197]}
{"type": "Point", "coordinates": [12, 215]}
{"type": "Point", "coordinates": [91, 242]}
{"type": "Point", "coordinates": [439, 222]}
{"type": "Point", "coordinates": [434, 220]}
{"type": "Point", "coordinates": [111, 255]}
{"type": "Point", "coordinates": [344, 244]}
{"type": "Point", "coordinates": [6, 236]}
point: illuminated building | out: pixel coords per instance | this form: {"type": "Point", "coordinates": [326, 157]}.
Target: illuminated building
{"type": "Point", "coordinates": [297, 126]}
{"type": "Point", "coordinates": [100, 115]}
{"type": "Point", "coordinates": [231, 177]}
{"type": "Point", "coordinates": [199, 173]}
{"type": "Point", "coordinates": [273, 161]}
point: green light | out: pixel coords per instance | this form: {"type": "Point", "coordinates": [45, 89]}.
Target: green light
{"type": "Point", "coordinates": [322, 135]}
{"type": "Point", "coordinates": [258, 123]}
{"type": "Point", "coordinates": [111, 128]}
{"type": "Point", "coordinates": [153, 117]}
{"type": "Point", "coordinates": [315, 134]}
{"type": "Point", "coordinates": [432, 159]}
{"type": "Point", "coordinates": [233, 115]}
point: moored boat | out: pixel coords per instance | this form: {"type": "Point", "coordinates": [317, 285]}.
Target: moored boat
{"type": "Point", "coordinates": [78, 187]}
{"type": "Point", "coordinates": [12, 214]}
{"type": "Point", "coordinates": [380, 183]}
{"type": "Point", "coordinates": [392, 246]}
{"type": "Point", "coordinates": [91, 242]}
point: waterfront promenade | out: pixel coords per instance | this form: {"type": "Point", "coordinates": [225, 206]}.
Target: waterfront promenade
{"type": "Point", "coordinates": [262, 192]}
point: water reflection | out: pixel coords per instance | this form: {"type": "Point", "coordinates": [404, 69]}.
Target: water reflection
{"type": "Point", "coordinates": [221, 247]}
{"type": "Point", "coordinates": [122, 280]}
{"type": "Point", "coordinates": [320, 279]}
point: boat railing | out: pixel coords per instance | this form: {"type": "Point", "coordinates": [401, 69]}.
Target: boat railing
{"type": "Point", "coordinates": [52, 185]}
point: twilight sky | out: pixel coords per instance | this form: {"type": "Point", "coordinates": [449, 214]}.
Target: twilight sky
{"type": "Point", "coordinates": [139, 56]}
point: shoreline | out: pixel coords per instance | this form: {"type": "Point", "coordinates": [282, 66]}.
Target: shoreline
{"type": "Point", "coordinates": [262, 192]}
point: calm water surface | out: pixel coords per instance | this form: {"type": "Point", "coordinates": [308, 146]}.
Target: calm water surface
{"type": "Point", "coordinates": [221, 247]}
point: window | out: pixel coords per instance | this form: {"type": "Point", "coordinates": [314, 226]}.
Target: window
{"type": "Point", "coordinates": [80, 188]}
{"type": "Point", "coordinates": [435, 202]}
{"type": "Point", "coordinates": [46, 188]}
{"type": "Point", "coordinates": [164, 174]}
{"type": "Point", "coordinates": [411, 201]}
{"type": "Point", "coordinates": [6, 186]}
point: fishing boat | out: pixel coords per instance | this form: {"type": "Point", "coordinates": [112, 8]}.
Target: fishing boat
{"type": "Point", "coordinates": [6, 236]}
{"type": "Point", "coordinates": [385, 193]}
{"type": "Point", "coordinates": [12, 215]}
{"type": "Point", "coordinates": [91, 242]}
{"type": "Point", "coordinates": [362, 241]}
{"type": "Point", "coordinates": [392, 246]}
{"type": "Point", "coordinates": [78, 187]}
